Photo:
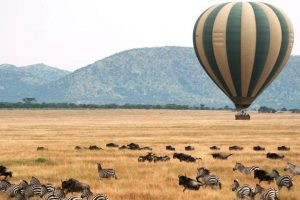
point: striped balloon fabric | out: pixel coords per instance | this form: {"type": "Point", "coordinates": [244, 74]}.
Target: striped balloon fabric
{"type": "Point", "coordinates": [243, 46]}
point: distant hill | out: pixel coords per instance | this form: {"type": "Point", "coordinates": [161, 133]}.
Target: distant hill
{"type": "Point", "coordinates": [154, 76]}
{"type": "Point", "coordinates": [19, 82]}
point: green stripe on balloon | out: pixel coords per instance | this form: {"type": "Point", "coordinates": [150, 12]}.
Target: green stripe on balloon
{"type": "Point", "coordinates": [233, 45]}
{"type": "Point", "coordinates": [208, 45]}
{"type": "Point", "coordinates": [283, 48]}
{"type": "Point", "coordinates": [262, 45]}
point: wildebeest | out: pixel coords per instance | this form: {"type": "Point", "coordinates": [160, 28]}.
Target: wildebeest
{"type": "Point", "coordinates": [41, 148]}
{"type": "Point", "coordinates": [123, 147]}
{"type": "Point", "coordinates": [185, 157]}
{"type": "Point", "coordinates": [283, 148]}
{"type": "Point", "coordinates": [133, 146]}
{"type": "Point", "coordinates": [274, 156]}
{"type": "Point", "coordinates": [235, 148]}
{"type": "Point", "coordinates": [189, 148]}
{"type": "Point", "coordinates": [146, 148]}
{"type": "Point", "coordinates": [161, 158]}
{"type": "Point", "coordinates": [94, 147]}
{"type": "Point", "coordinates": [148, 157]}
{"type": "Point", "coordinates": [262, 175]}
{"type": "Point", "coordinates": [112, 145]}
{"type": "Point", "coordinates": [73, 185]}
{"type": "Point", "coordinates": [189, 183]}
{"type": "Point", "coordinates": [170, 147]}
{"type": "Point", "coordinates": [4, 172]}
{"type": "Point", "coordinates": [78, 147]}
{"type": "Point", "coordinates": [259, 148]}
{"type": "Point", "coordinates": [221, 156]}
{"type": "Point", "coordinates": [214, 148]}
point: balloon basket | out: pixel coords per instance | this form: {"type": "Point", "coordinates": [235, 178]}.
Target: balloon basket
{"type": "Point", "coordinates": [242, 115]}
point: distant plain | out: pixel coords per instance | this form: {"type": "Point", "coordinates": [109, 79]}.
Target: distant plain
{"type": "Point", "coordinates": [22, 131]}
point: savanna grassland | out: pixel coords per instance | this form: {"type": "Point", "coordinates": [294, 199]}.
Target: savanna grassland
{"type": "Point", "coordinates": [22, 131]}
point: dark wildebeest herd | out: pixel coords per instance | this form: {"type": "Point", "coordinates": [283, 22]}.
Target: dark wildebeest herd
{"type": "Point", "coordinates": [34, 188]}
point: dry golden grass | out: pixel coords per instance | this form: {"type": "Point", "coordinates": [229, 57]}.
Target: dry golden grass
{"type": "Point", "coordinates": [22, 131]}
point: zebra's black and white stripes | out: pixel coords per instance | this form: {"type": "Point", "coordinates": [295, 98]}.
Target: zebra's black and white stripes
{"type": "Point", "coordinates": [292, 168]}
{"type": "Point", "coordinates": [34, 181]}
{"type": "Point", "coordinates": [207, 179]}
{"type": "Point", "coordinates": [33, 190]}
{"type": "Point", "coordinates": [268, 194]}
{"type": "Point", "coordinates": [90, 196]}
{"type": "Point", "coordinates": [282, 181]}
{"type": "Point", "coordinates": [244, 191]}
{"type": "Point", "coordinates": [244, 170]}
{"type": "Point", "coordinates": [106, 173]}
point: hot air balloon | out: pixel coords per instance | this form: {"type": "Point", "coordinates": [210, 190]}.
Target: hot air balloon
{"type": "Point", "coordinates": [243, 46]}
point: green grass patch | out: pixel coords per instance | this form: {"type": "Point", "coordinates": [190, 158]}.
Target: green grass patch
{"type": "Point", "coordinates": [39, 160]}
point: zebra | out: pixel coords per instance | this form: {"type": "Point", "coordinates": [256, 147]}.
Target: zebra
{"type": "Point", "coordinates": [269, 194]}
{"type": "Point", "coordinates": [106, 173]}
{"type": "Point", "coordinates": [90, 196]}
{"type": "Point", "coordinates": [244, 170]}
{"type": "Point", "coordinates": [282, 180]}
{"type": "Point", "coordinates": [13, 189]}
{"type": "Point", "coordinates": [50, 187]}
{"type": "Point", "coordinates": [19, 196]}
{"type": "Point", "coordinates": [51, 196]}
{"type": "Point", "coordinates": [33, 190]}
{"type": "Point", "coordinates": [34, 181]}
{"type": "Point", "coordinates": [292, 168]}
{"type": "Point", "coordinates": [244, 191]}
{"type": "Point", "coordinates": [207, 179]}
{"type": "Point", "coordinates": [4, 184]}
{"type": "Point", "coordinates": [58, 192]}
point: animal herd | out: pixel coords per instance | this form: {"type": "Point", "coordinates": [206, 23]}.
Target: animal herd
{"type": "Point", "coordinates": [204, 177]}
{"type": "Point", "coordinates": [35, 188]}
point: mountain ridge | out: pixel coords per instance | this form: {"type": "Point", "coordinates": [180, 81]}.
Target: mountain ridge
{"type": "Point", "coordinates": [157, 75]}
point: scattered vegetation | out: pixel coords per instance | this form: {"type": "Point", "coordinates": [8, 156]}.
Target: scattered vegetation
{"type": "Point", "coordinates": [30, 103]}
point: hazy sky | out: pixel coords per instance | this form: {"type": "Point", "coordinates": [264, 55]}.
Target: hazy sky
{"type": "Point", "coordinates": [70, 34]}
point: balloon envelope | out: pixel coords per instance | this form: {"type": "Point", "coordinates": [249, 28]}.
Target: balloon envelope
{"type": "Point", "coordinates": [243, 46]}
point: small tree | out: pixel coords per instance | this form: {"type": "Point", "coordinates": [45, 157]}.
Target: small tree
{"type": "Point", "coordinates": [29, 100]}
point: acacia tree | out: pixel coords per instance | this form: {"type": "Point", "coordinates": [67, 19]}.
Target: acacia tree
{"type": "Point", "coordinates": [29, 100]}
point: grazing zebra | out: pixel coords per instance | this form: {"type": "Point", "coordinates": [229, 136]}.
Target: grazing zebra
{"type": "Point", "coordinates": [292, 168]}
{"type": "Point", "coordinates": [244, 170]}
{"type": "Point", "coordinates": [34, 181]}
{"type": "Point", "coordinates": [90, 196]}
{"type": "Point", "coordinates": [269, 194]}
{"type": "Point", "coordinates": [207, 179]}
{"type": "Point", "coordinates": [244, 191]}
{"type": "Point", "coordinates": [106, 173]}
{"type": "Point", "coordinates": [281, 181]}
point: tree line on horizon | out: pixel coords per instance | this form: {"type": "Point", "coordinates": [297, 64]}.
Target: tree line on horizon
{"type": "Point", "coordinates": [31, 103]}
